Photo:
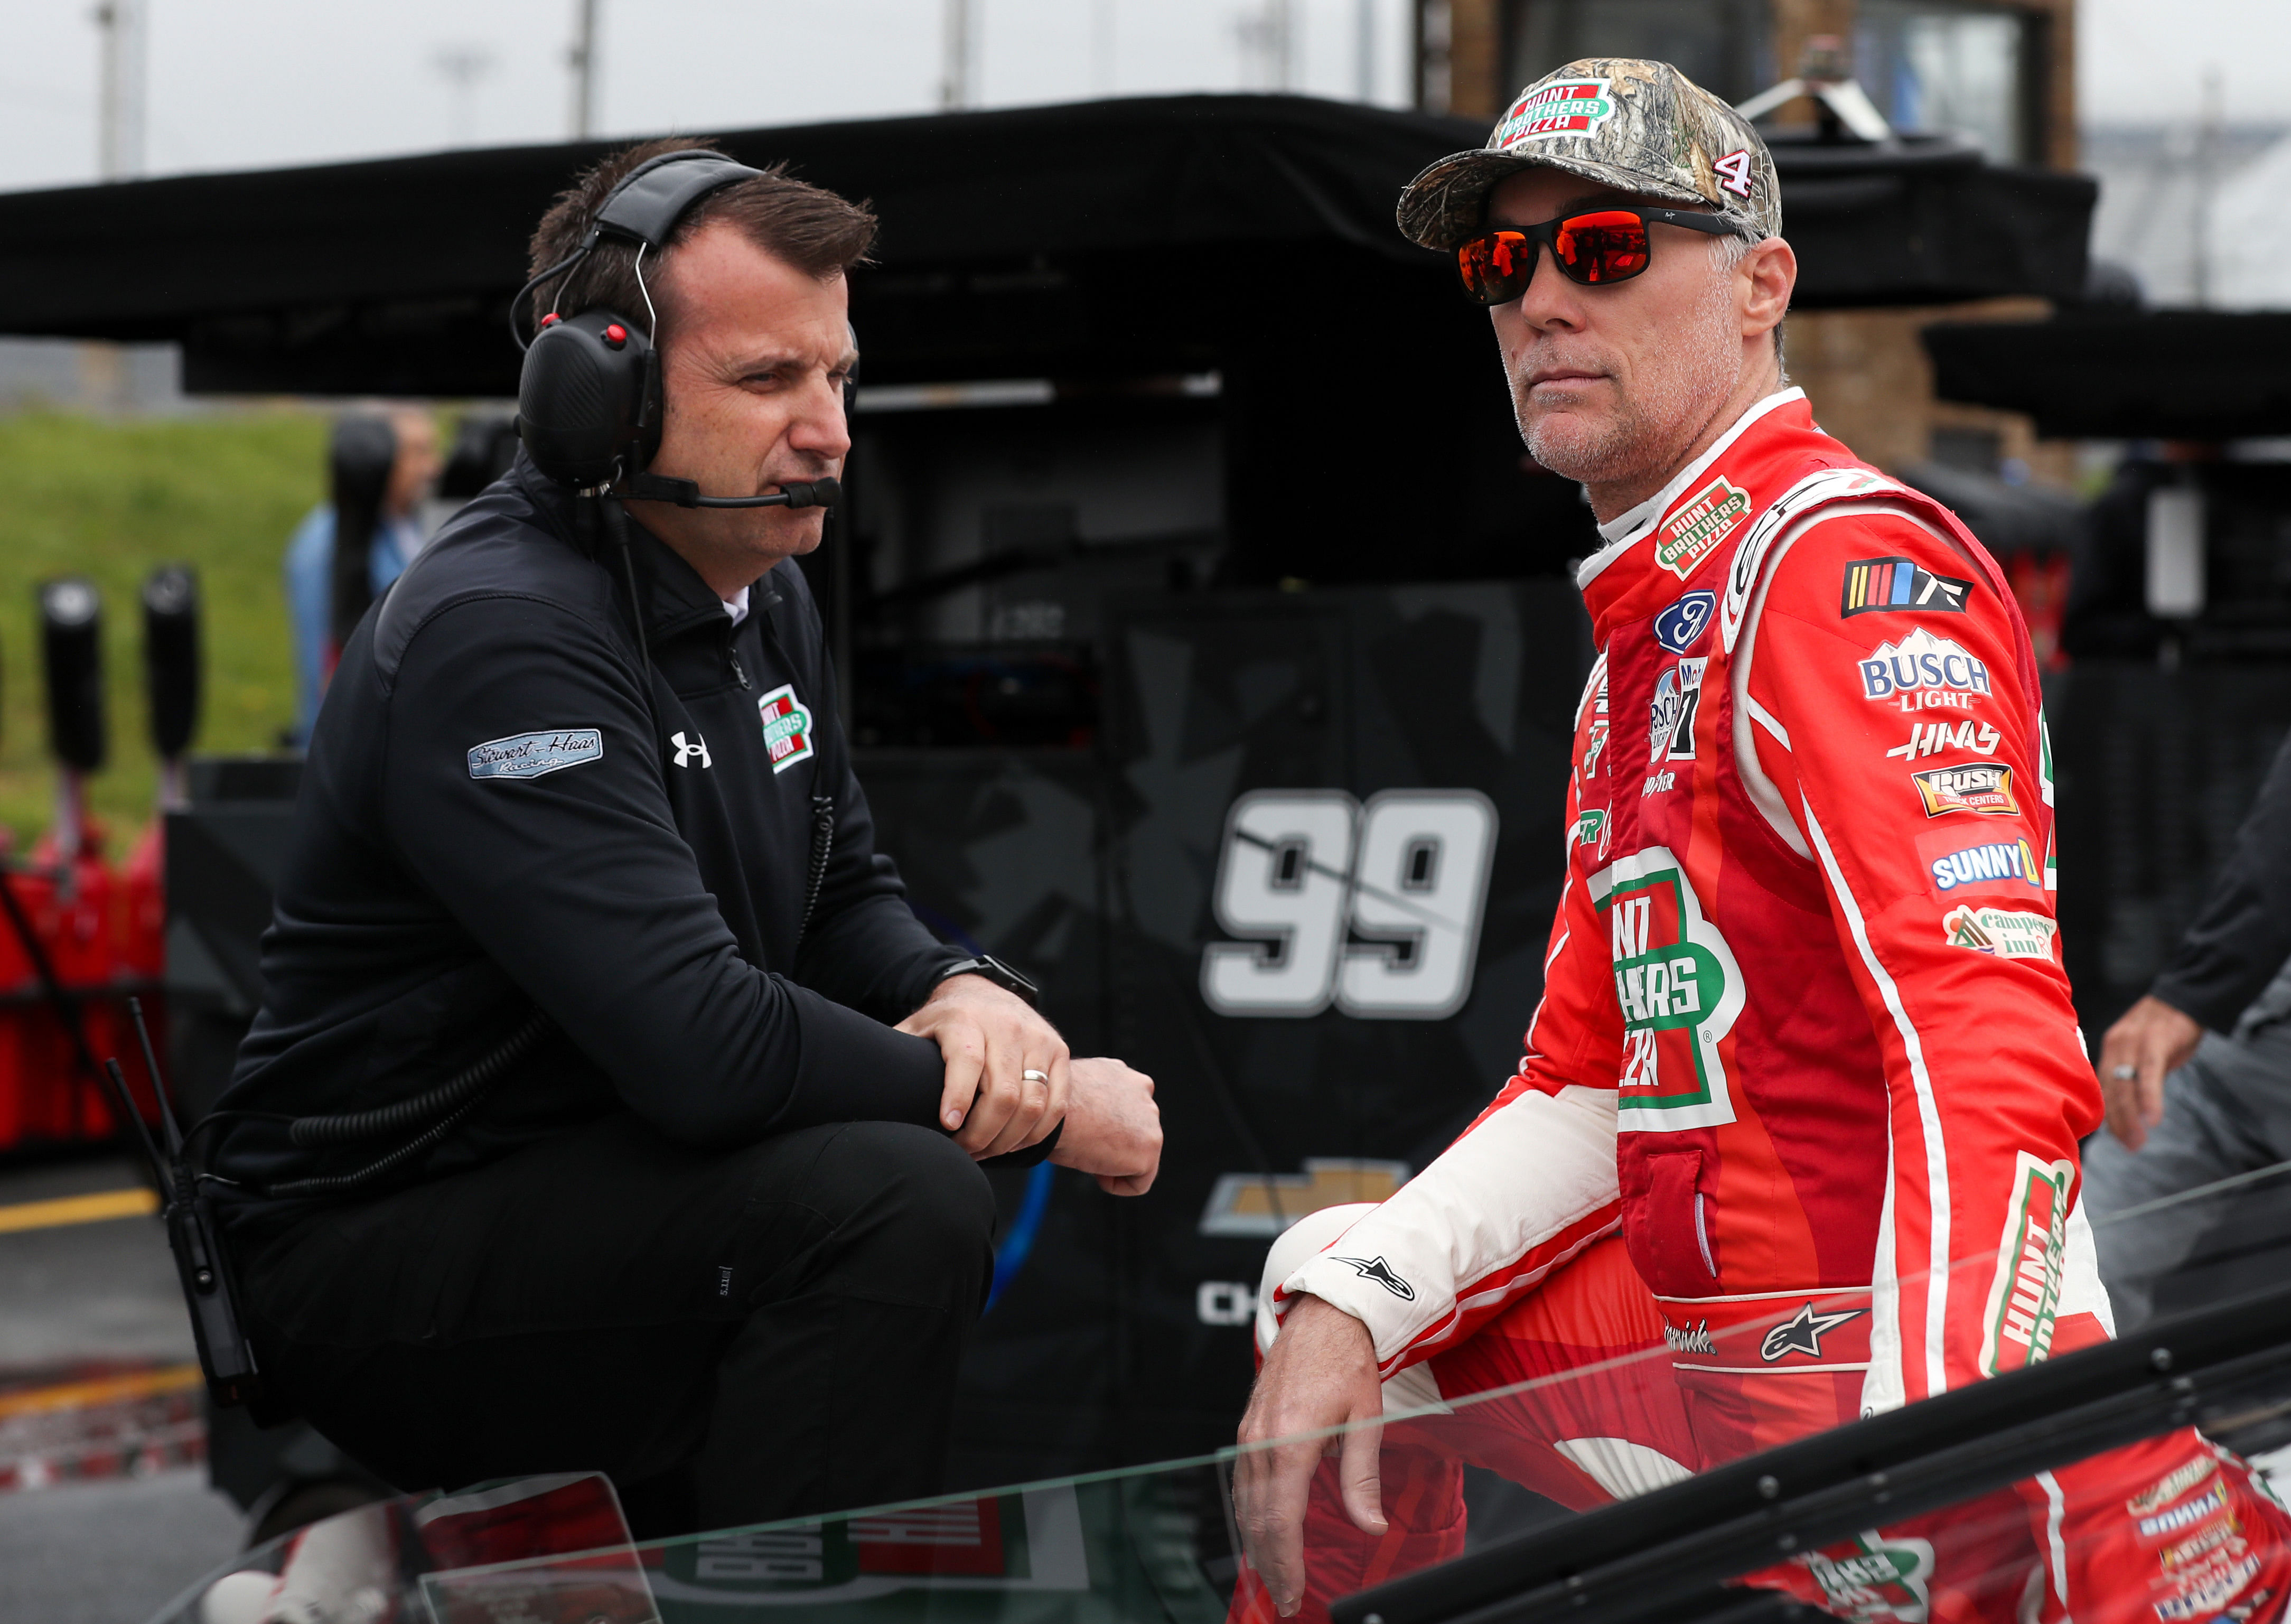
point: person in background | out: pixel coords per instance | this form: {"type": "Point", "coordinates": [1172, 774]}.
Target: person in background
{"type": "Point", "coordinates": [380, 467]}
{"type": "Point", "coordinates": [2197, 1076]}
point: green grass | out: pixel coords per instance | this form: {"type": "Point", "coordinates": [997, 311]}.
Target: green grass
{"type": "Point", "coordinates": [110, 499]}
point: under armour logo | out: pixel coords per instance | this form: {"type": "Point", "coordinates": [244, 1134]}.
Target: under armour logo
{"type": "Point", "coordinates": [1804, 1334]}
{"type": "Point", "coordinates": [685, 752]}
{"type": "Point", "coordinates": [1380, 1272]}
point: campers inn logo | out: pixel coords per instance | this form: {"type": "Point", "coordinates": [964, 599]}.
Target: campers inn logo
{"type": "Point", "coordinates": [1566, 107]}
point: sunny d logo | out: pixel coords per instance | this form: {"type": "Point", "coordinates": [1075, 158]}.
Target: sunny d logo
{"type": "Point", "coordinates": [1565, 107]}
{"type": "Point", "coordinates": [1679, 989]}
{"type": "Point", "coordinates": [787, 726]}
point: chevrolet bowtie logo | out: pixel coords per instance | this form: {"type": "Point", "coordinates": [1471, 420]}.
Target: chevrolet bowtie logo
{"type": "Point", "coordinates": [1380, 1272]}
{"type": "Point", "coordinates": [1803, 1334]}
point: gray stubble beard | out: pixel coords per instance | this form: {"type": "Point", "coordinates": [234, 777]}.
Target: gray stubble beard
{"type": "Point", "coordinates": [1652, 428]}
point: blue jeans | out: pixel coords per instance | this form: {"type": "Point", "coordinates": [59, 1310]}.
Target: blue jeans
{"type": "Point", "coordinates": [2228, 1111]}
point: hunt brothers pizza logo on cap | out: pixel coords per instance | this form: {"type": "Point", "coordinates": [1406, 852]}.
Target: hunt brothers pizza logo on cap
{"type": "Point", "coordinates": [1679, 990]}
{"type": "Point", "coordinates": [1694, 532]}
{"type": "Point", "coordinates": [1563, 107]}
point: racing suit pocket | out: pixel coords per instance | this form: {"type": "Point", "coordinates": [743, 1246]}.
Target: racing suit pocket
{"type": "Point", "coordinates": [1668, 1225]}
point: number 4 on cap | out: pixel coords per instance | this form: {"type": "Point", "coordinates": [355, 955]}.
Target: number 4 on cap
{"type": "Point", "coordinates": [1734, 172]}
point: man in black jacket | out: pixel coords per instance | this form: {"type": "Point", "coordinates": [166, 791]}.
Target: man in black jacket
{"type": "Point", "coordinates": [2197, 1076]}
{"type": "Point", "coordinates": [575, 1131]}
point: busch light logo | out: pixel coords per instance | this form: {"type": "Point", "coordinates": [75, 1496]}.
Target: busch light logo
{"type": "Point", "coordinates": [1682, 626]}
{"type": "Point", "coordinates": [1921, 662]}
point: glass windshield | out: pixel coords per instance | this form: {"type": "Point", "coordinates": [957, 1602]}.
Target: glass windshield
{"type": "Point", "coordinates": [2081, 1486]}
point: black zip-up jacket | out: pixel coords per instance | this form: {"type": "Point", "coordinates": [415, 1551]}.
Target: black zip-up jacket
{"type": "Point", "coordinates": [504, 808]}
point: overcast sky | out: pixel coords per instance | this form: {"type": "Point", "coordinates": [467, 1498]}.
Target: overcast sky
{"type": "Point", "coordinates": [236, 84]}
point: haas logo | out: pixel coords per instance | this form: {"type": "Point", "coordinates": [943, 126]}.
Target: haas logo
{"type": "Point", "coordinates": [685, 752]}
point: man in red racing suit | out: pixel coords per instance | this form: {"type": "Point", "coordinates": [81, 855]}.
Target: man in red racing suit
{"type": "Point", "coordinates": [1799, 1115]}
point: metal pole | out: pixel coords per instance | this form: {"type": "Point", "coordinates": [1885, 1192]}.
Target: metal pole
{"type": "Point", "coordinates": [954, 87]}
{"type": "Point", "coordinates": [119, 133]}
{"type": "Point", "coordinates": [1363, 50]}
{"type": "Point", "coordinates": [583, 60]}
{"type": "Point", "coordinates": [1102, 36]}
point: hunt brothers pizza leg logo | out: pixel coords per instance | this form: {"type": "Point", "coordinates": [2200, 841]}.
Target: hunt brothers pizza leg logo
{"type": "Point", "coordinates": [2024, 1297]}
{"type": "Point", "coordinates": [1876, 1578]}
{"type": "Point", "coordinates": [1679, 989]}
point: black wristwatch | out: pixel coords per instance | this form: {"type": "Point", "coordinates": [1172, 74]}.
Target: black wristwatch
{"type": "Point", "coordinates": [1000, 973]}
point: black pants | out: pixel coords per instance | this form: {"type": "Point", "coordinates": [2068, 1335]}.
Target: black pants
{"type": "Point", "coordinates": [733, 1336]}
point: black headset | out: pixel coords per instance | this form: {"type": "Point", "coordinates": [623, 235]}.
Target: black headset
{"type": "Point", "coordinates": [589, 399]}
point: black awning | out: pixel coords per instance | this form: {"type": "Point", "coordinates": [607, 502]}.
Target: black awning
{"type": "Point", "coordinates": [2125, 374]}
{"type": "Point", "coordinates": [1005, 236]}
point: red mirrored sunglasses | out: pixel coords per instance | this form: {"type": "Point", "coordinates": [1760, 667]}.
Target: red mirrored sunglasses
{"type": "Point", "coordinates": [1593, 249]}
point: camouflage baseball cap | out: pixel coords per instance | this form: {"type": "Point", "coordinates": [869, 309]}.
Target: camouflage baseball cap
{"type": "Point", "coordinates": [1640, 127]}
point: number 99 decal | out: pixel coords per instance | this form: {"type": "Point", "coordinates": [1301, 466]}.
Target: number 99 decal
{"type": "Point", "coordinates": [1376, 908]}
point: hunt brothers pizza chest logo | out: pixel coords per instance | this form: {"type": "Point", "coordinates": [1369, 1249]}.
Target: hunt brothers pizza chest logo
{"type": "Point", "coordinates": [787, 726]}
{"type": "Point", "coordinates": [1694, 532]}
{"type": "Point", "coordinates": [1679, 990]}
{"type": "Point", "coordinates": [2024, 1296]}
{"type": "Point", "coordinates": [1567, 107]}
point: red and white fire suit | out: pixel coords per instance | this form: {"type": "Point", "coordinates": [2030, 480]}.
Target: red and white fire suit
{"type": "Point", "coordinates": [1806, 1043]}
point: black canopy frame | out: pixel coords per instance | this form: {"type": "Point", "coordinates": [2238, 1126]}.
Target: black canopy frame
{"type": "Point", "coordinates": [1139, 236]}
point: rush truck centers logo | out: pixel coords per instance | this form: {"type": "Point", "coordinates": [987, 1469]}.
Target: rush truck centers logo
{"type": "Point", "coordinates": [1680, 991]}
{"type": "Point", "coordinates": [787, 726]}
{"type": "Point", "coordinates": [1978, 786]}
{"type": "Point", "coordinates": [1692, 533]}
{"type": "Point", "coordinates": [1566, 107]}
{"type": "Point", "coordinates": [2024, 1296]}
